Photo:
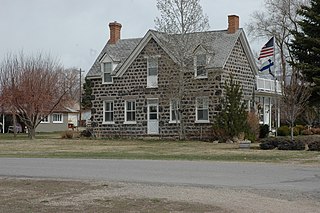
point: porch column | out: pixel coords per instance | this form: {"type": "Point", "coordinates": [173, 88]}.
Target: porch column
{"type": "Point", "coordinates": [279, 117]}
{"type": "Point", "coordinates": [270, 114]}
{"type": "Point", "coordinates": [264, 109]}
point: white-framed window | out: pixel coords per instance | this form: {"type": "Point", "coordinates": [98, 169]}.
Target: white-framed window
{"type": "Point", "coordinates": [174, 111]}
{"type": "Point", "coordinates": [130, 112]}
{"type": "Point", "coordinates": [107, 69]}
{"type": "Point", "coordinates": [200, 66]}
{"type": "Point", "coordinates": [152, 66]}
{"type": "Point", "coordinates": [57, 118]}
{"type": "Point", "coordinates": [108, 112]}
{"type": "Point", "coordinates": [45, 119]}
{"type": "Point", "coordinates": [202, 110]}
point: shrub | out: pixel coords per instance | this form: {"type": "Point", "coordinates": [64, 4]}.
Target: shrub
{"type": "Point", "coordinates": [86, 133]}
{"type": "Point", "coordinates": [288, 145]}
{"type": "Point", "coordinates": [316, 131]}
{"type": "Point", "coordinates": [296, 131]}
{"type": "Point", "coordinates": [264, 130]}
{"type": "Point", "coordinates": [253, 127]}
{"type": "Point", "coordinates": [269, 143]}
{"type": "Point", "coordinates": [281, 144]}
{"type": "Point", "coordinates": [67, 134]}
{"type": "Point", "coordinates": [314, 146]}
{"type": "Point", "coordinates": [283, 131]}
{"type": "Point", "coordinates": [306, 132]}
{"type": "Point", "coordinates": [220, 134]}
{"type": "Point", "coordinates": [299, 128]}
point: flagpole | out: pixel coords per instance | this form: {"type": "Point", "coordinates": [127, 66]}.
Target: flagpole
{"type": "Point", "coordinates": [275, 89]}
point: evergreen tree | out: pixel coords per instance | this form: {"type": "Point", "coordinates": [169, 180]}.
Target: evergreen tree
{"type": "Point", "coordinates": [232, 119]}
{"type": "Point", "coordinates": [86, 96]}
{"type": "Point", "coordinates": [306, 46]}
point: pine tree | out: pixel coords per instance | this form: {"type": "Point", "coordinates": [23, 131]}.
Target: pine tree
{"type": "Point", "coordinates": [306, 46]}
{"type": "Point", "coordinates": [232, 118]}
{"type": "Point", "coordinates": [86, 96]}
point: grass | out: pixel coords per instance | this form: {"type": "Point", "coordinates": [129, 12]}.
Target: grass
{"type": "Point", "coordinates": [51, 146]}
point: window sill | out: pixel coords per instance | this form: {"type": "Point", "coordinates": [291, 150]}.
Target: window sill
{"type": "Point", "coordinates": [174, 122]}
{"type": "Point", "coordinates": [130, 122]}
{"type": "Point", "coordinates": [107, 83]}
{"type": "Point", "coordinates": [108, 123]}
{"type": "Point", "coordinates": [151, 87]}
{"type": "Point", "coordinates": [57, 122]}
{"type": "Point", "coordinates": [202, 122]}
{"type": "Point", "coordinates": [201, 77]}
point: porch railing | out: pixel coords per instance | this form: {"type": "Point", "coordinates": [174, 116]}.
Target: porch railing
{"type": "Point", "coordinates": [268, 85]}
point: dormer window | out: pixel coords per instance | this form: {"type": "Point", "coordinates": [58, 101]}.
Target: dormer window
{"type": "Point", "coordinates": [107, 69]}
{"type": "Point", "coordinates": [200, 66]}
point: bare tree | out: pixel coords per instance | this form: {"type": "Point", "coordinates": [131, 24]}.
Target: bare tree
{"type": "Point", "coordinates": [295, 99]}
{"type": "Point", "coordinates": [278, 19]}
{"type": "Point", "coordinates": [310, 115]}
{"type": "Point", "coordinates": [178, 19]}
{"type": "Point", "coordinates": [32, 87]}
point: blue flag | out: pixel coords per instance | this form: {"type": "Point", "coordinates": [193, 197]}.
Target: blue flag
{"type": "Point", "coordinates": [267, 66]}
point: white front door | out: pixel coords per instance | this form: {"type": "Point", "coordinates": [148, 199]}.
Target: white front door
{"type": "Point", "coordinates": [153, 116]}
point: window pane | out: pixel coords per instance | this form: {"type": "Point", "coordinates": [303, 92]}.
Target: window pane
{"type": "Point", "coordinates": [153, 71]}
{"type": "Point", "coordinates": [56, 117]}
{"type": "Point", "coordinates": [205, 115]}
{"type": "Point", "coordinates": [109, 116]}
{"type": "Point", "coordinates": [201, 60]}
{"type": "Point", "coordinates": [174, 110]}
{"type": "Point", "coordinates": [153, 109]}
{"type": "Point", "coordinates": [131, 116]}
{"type": "Point", "coordinates": [130, 110]}
{"type": "Point", "coordinates": [173, 115]}
{"type": "Point", "coordinates": [107, 77]}
{"type": "Point", "coordinates": [107, 106]}
{"type": "Point", "coordinates": [108, 111]}
{"type": "Point", "coordinates": [202, 108]}
{"type": "Point", "coordinates": [153, 116]}
{"type": "Point", "coordinates": [107, 67]}
{"type": "Point", "coordinates": [201, 71]}
{"type": "Point", "coordinates": [200, 115]}
{"type": "Point", "coordinates": [153, 62]}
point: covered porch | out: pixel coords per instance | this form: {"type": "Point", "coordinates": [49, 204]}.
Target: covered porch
{"type": "Point", "coordinates": [267, 102]}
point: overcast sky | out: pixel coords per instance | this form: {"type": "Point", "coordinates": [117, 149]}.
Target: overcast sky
{"type": "Point", "coordinates": [75, 31]}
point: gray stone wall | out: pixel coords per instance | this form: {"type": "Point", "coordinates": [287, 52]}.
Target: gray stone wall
{"type": "Point", "coordinates": [133, 85]}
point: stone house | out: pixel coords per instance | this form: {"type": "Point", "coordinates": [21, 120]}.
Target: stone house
{"type": "Point", "coordinates": [134, 82]}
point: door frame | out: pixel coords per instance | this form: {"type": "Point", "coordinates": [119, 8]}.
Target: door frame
{"type": "Point", "coordinates": [152, 124]}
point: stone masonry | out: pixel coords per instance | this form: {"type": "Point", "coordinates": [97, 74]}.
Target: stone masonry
{"type": "Point", "coordinates": [132, 85]}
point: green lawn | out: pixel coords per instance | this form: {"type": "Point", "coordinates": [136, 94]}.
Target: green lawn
{"type": "Point", "coordinates": [51, 146]}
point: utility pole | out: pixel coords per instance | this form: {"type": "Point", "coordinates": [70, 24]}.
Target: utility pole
{"type": "Point", "coordinates": [80, 96]}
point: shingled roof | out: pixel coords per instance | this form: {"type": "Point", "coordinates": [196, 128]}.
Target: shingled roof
{"type": "Point", "coordinates": [119, 52]}
{"type": "Point", "coordinates": [219, 45]}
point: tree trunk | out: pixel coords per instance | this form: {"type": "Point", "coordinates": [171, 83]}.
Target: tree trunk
{"type": "Point", "coordinates": [31, 133]}
{"type": "Point", "coordinates": [291, 126]}
{"type": "Point", "coordinates": [14, 117]}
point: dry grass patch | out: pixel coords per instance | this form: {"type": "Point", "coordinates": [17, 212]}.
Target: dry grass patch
{"type": "Point", "coordinates": [148, 149]}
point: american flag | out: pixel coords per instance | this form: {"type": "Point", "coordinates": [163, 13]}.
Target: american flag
{"type": "Point", "coordinates": [267, 50]}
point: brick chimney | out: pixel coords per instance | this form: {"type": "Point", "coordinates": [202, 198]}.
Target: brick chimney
{"type": "Point", "coordinates": [115, 30]}
{"type": "Point", "coordinates": [233, 24]}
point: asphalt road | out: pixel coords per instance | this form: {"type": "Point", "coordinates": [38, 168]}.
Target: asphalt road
{"type": "Point", "coordinates": [193, 173]}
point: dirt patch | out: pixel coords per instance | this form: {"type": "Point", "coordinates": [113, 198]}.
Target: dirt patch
{"type": "Point", "coordinates": [34, 195]}
{"type": "Point", "coordinates": [47, 195]}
